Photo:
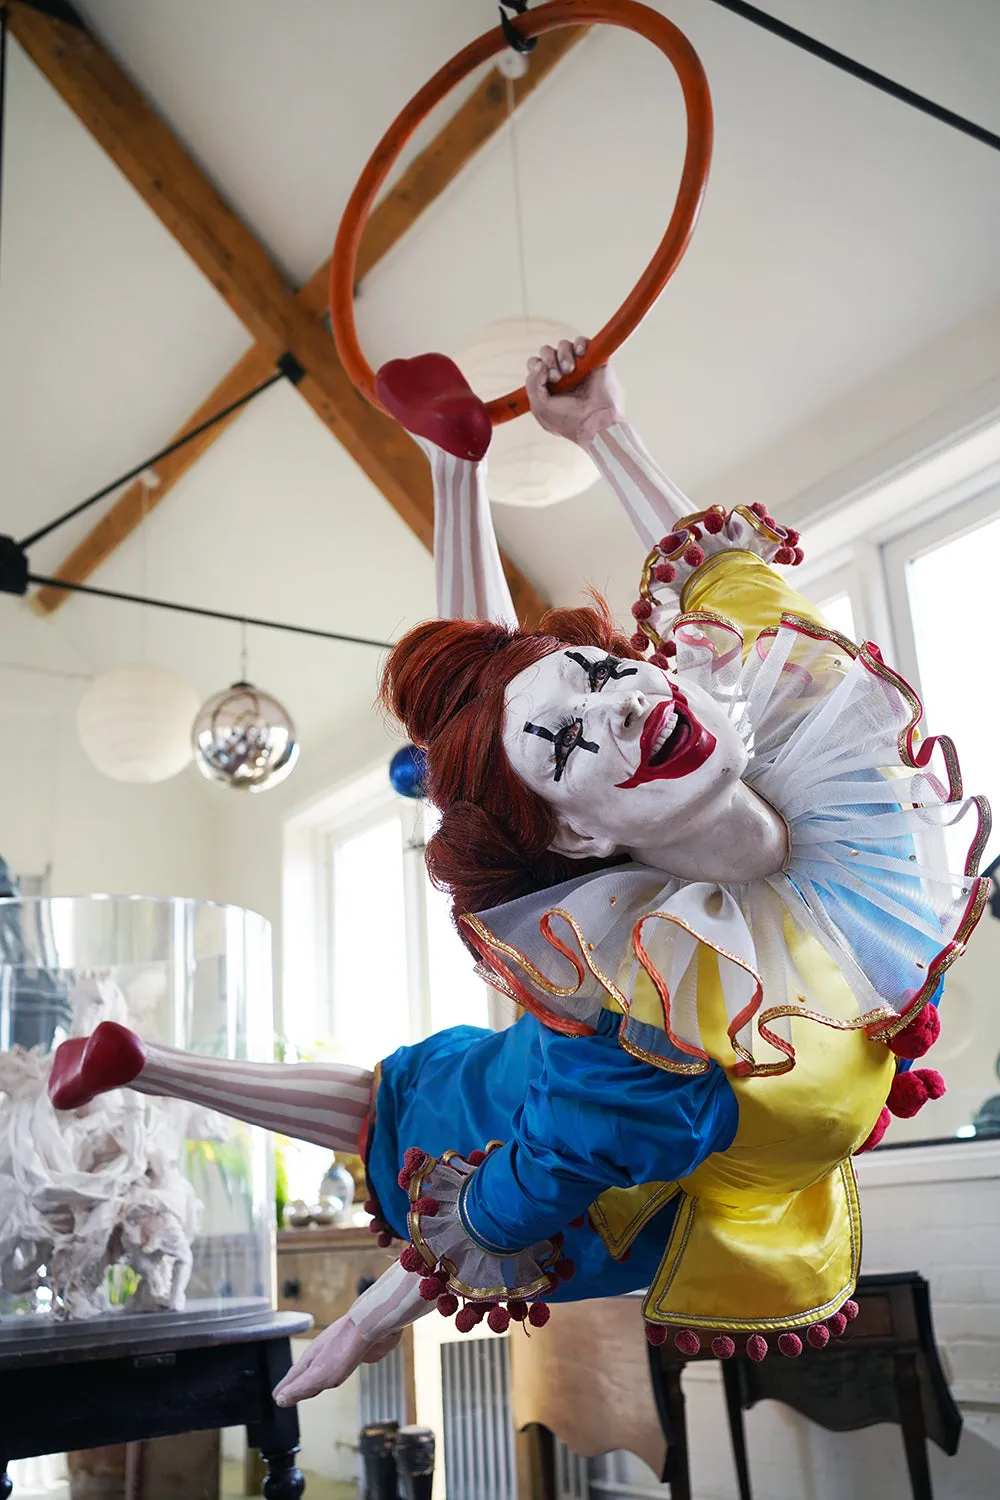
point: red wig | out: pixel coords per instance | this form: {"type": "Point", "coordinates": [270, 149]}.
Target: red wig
{"type": "Point", "coordinates": [446, 681]}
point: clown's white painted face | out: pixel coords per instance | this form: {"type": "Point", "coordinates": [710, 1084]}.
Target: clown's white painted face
{"type": "Point", "coordinates": [618, 749]}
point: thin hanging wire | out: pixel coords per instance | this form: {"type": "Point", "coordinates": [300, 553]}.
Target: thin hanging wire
{"type": "Point", "coordinates": [244, 653]}
{"type": "Point", "coordinates": [515, 166]}
{"type": "Point", "coordinates": [144, 565]}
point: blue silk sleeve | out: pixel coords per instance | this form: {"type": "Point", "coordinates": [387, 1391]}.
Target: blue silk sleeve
{"type": "Point", "coordinates": [595, 1117]}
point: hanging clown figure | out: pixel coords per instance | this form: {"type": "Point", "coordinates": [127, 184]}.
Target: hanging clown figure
{"type": "Point", "coordinates": [706, 860]}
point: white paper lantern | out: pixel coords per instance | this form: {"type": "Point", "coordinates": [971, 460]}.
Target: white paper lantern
{"type": "Point", "coordinates": [527, 466]}
{"type": "Point", "coordinates": [135, 723]}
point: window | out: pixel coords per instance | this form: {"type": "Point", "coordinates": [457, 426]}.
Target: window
{"type": "Point", "coordinates": [369, 942]}
{"type": "Point", "coordinates": [839, 612]}
{"type": "Point", "coordinates": [944, 580]}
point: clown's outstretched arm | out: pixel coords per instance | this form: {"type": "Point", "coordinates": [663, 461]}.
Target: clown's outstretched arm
{"type": "Point", "coordinates": [593, 416]}
{"type": "Point", "coordinates": [468, 574]}
{"type": "Point", "coordinates": [430, 397]}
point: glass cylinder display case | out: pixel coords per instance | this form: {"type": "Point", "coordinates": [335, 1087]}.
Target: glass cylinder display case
{"type": "Point", "coordinates": [131, 1206]}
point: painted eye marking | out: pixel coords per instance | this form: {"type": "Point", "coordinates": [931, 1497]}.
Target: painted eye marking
{"type": "Point", "coordinates": [566, 739]}
{"type": "Point", "coordinates": [600, 672]}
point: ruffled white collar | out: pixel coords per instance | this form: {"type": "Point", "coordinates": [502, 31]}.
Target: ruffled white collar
{"type": "Point", "coordinates": [830, 733]}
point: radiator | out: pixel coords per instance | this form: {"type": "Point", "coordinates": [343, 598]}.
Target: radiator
{"type": "Point", "coordinates": [381, 1391]}
{"type": "Point", "coordinates": [478, 1429]}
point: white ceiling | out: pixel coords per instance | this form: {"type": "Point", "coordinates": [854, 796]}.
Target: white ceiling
{"type": "Point", "coordinates": [842, 236]}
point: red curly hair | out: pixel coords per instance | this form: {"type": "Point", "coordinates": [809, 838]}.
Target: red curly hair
{"type": "Point", "coordinates": [446, 680]}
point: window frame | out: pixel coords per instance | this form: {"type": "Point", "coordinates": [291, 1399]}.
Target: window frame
{"type": "Point", "coordinates": [310, 839]}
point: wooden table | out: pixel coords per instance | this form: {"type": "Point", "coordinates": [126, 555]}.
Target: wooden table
{"type": "Point", "coordinates": [65, 1389]}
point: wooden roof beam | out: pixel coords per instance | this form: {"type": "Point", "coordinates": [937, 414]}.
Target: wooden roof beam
{"type": "Point", "coordinates": [114, 112]}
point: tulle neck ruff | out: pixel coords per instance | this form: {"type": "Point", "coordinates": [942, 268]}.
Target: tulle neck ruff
{"type": "Point", "coordinates": [831, 735]}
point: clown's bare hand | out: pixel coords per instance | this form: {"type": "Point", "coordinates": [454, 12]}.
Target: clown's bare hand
{"type": "Point", "coordinates": [582, 413]}
{"type": "Point", "coordinates": [370, 1331]}
{"type": "Point", "coordinates": [330, 1360]}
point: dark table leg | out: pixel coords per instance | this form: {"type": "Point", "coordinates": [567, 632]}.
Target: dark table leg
{"type": "Point", "coordinates": [670, 1408]}
{"type": "Point", "coordinates": [911, 1414]}
{"type": "Point", "coordinates": [276, 1434]}
{"type": "Point", "coordinates": [737, 1430]}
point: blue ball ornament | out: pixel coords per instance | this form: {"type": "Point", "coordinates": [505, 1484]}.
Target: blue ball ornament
{"type": "Point", "coordinates": [406, 772]}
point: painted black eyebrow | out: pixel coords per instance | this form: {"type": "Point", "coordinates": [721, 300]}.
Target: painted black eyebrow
{"type": "Point", "coordinates": [611, 664]}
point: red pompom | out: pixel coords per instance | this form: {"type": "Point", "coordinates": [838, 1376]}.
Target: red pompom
{"type": "Point", "coordinates": [797, 556]}
{"type": "Point", "coordinates": [375, 1226]}
{"type": "Point", "coordinates": [480, 1309]}
{"type": "Point", "coordinates": [911, 1091]}
{"type": "Point", "coordinates": [694, 556]}
{"type": "Point", "coordinates": [784, 556]}
{"type": "Point", "coordinates": [673, 541]}
{"type": "Point", "coordinates": [476, 1158]}
{"type": "Point", "coordinates": [578, 1222]}
{"type": "Point", "coordinates": [564, 1269]}
{"type": "Point", "coordinates": [642, 609]}
{"type": "Point", "coordinates": [836, 1325]}
{"type": "Point", "coordinates": [760, 511]}
{"type": "Point", "coordinates": [850, 1310]}
{"type": "Point", "coordinates": [687, 1341]}
{"type": "Point", "coordinates": [499, 1319]}
{"type": "Point", "coordinates": [790, 1345]}
{"type": "Point", "coordinates": [664, 572]}
{"type": "Point", "coordinates": [553, 1285]}
{"type": "Point", "coordinates": [518, 1309]}
{"type": "Point", "coordinates": [723, 1346]}
{"type": "Point", "coordinates": [664, 654]}
{"type": "Point", "coordinates": [383, 1239]}
{"type": "Point", "coordinates": [426, 1206]}
{"type": "Point", "coordinates": [919, 1037]}
{"type": "Point", "coordinates": [538, 1315]}
{"type": "Point", "coordinates": [638, 641]}
{"type": "Point", "coordinates": [447, 1304]}
{"type": "Point", "coordinates": [878, 1130]}
{"type": "Point", "coordinates": [656, 1334]}
{"type": "Point", "coordinates": [404, 1179]}
{"type": "Point", "coordinates": [412, 1260]}
{"type": "Point", "coordinates": [466, 1320]}
{"type": "Point", "coordinates": [714, 522]}
{"type": "Point", "coordinates": [792, 537]}
{"type": "Point", "coordinates": [818, 1336]}
{"type": "Point", "coordinates": [370, 1206]}
{"type": "Point", "coordinates": [432, 1287]}
{"type": "Point", "coordinates": [756, 1347]}
{"type": "Point", "coordinates": [414, 1158]}
{"type": "Point", "coordinates": [694, 532]}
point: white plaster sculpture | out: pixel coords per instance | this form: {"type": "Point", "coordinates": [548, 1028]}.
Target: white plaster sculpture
{"type": "Point", "coordinates": [96, 1187]}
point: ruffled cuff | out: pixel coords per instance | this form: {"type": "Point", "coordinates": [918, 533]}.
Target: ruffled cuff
{"type": "Point", "coordinates": [456, 1262]}
{"type": "Point", "coordinates": [696, 541]}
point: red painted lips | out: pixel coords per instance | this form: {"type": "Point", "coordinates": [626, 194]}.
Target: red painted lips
{"type": "Point", "coordinates": [687, 747]}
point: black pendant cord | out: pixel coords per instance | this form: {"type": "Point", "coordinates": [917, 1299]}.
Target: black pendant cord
{"type": "Point", "coordinates": [187, 437]}
{"type": "Point", "coordinates": [206, 614]}
{"type": "Point", "coordinates": [846, 64]}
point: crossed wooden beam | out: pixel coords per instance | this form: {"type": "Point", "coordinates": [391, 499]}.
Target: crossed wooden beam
{"type": "Point", "coordinates": [281, 320]}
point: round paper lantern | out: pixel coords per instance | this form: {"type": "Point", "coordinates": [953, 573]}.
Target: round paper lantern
{"type": "Point", "coordinates": [406, 772]}
{"type": "Point", "coordinates": [244, 738]}
{"type": "Point", "coordinates": [527, 466]}
{"type": "Point", "coordinates": [134, 723]}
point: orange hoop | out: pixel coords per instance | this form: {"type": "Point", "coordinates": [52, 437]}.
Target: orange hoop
{"type": "Point", "coordinates": [698, 102]}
